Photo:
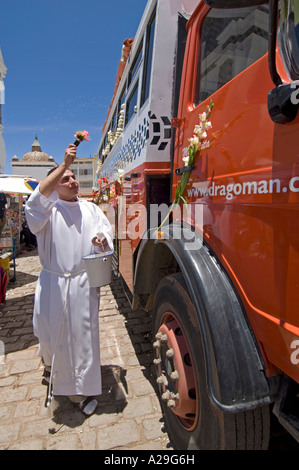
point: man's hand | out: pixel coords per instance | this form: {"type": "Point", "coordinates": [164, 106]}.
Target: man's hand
{"type": "Point", "coordinates": [70, 155]}
{"type": "Point", "coordinates": [102, 242]}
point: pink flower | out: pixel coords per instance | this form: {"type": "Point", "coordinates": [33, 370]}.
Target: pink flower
{"type": "Point", "coordinates": [80, 136]}
{"type": "Point", "coordinates": [85, 135]}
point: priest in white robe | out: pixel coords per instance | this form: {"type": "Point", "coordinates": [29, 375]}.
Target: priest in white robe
{"type": "Point", "coordinates": [65, 318]}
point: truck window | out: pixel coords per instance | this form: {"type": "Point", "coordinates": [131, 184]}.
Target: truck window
{"type": "Point", "coordinates": [114, 120]}
{"type": "Point", "coordinates": [288, 37]}
{"type": "Point", "coordinates": [135, 65]}
{"type": "Point", "coordinates": [230, 41]}
{"type": "Point", "coordinates": [131, 103]}
{"type": "Point", "coordinates": [147, 68]}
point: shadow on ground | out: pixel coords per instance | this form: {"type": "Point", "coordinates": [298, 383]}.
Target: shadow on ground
{"type": "Point", "coordinates": [139, 326]}
{"type": "Point", "coordinates": [113, 400]}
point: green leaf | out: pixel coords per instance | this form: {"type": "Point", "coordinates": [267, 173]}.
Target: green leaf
{"type": "Point", "coordinates": [184, 200]}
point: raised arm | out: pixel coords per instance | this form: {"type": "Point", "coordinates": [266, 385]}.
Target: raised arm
{"type": "Point", "coordinates": [48, 185]}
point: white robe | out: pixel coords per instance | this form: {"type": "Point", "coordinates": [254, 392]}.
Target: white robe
{"type": "Point", "coordinates": [65, 317]}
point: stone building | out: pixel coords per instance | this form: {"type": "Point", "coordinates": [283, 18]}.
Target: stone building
{"type": "Point", "coordinates": [35, 164]}
{"type": "Point", "coordinates": [85, 171]}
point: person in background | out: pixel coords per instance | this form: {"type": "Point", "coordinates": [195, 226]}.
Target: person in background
{"type": "Point", "coordinates": [66, 309]}
{"type": "Point", "coordinates": [27, 237]}
{"type": "Point", "coordinates": [3, 202]}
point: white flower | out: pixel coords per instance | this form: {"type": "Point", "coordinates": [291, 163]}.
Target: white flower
{"type": "Point", "coordinates": [200, 132]}
{"type": "Point", "coordinates": [120, 173]}
{"type": "Point", "coordinates": [194, 141]}
{"type": "Point", "coordinates": [207, 125]}
{"type": "Point", "coordinates": [186, 160]}
{"type": "Point", "coordinates": [110, 137]}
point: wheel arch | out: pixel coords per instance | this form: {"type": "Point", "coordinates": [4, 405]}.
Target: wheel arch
{"type": "Point", "coordinates": [235, 368]}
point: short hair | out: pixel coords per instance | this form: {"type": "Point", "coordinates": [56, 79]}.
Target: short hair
{"type": "Point", "coordinates": [51, 170]}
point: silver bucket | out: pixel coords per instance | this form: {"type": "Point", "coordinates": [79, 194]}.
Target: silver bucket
{"type": "Point", "coordinates": [98, 268]}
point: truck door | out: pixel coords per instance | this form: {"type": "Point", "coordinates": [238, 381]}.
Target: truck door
{"type": "Point", "coordinates": [247, 180]}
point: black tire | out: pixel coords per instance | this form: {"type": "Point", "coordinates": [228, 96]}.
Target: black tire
{"type": "Point", "coordinates": [205, 426]}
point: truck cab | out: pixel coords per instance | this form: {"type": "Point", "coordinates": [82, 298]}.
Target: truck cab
{"type": "Point", "coordinates": [220, 272]}
{"type": "Point", "coordinates": [247, 180]}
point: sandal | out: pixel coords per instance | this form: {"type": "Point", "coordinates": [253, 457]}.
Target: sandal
{"type": "Point", "coordinates": [46, 375]}
{"type": "Point", "coordinates": [88, 405]}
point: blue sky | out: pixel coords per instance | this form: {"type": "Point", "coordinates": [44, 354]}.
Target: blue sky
{"type": "Point", "coordinates": [61, 58]}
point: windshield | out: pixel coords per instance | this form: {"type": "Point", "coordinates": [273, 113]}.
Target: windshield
{"type": "Point", "coordinates": [288, 36]}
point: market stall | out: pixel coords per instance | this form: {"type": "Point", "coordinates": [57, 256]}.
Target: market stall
{"type": "Point", "coordinates": [15, 188]}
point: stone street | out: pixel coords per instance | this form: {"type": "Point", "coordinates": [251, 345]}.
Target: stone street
{"type": "Point", "coordinates": [128, 415]}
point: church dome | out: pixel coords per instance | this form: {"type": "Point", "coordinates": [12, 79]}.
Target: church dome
{"type": "Point", "coordinates": [36, 154]}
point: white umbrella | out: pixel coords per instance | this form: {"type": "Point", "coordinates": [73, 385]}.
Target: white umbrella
{"type": "Point", "coordinates": [17, 184]}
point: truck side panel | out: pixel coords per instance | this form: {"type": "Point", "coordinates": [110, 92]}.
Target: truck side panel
{"type": "Point", "coordinates": [247, 182]}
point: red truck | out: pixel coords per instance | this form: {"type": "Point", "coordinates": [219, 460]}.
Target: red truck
{"type": "Point", "coordinates": [219, 270]}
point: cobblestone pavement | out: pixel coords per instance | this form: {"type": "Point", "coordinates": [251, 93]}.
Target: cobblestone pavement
{"type": "Point", "coordinates": [128, 415]}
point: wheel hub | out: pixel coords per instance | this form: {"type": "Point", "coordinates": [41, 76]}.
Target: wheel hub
{"type": "Point", "coordinates": [175, 372]}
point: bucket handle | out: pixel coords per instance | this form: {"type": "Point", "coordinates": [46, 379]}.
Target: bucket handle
{"type": "Point", "coordinates": [101, 245]}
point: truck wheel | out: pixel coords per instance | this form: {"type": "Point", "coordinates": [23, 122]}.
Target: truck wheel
{"type": "Point", "coordinates": [192, 421]}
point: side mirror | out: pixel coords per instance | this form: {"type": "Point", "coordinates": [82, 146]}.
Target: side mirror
{"type": "Point", "coordinates": [283, 103]}
{"type": "Point", "coordinates": [234, 3]}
